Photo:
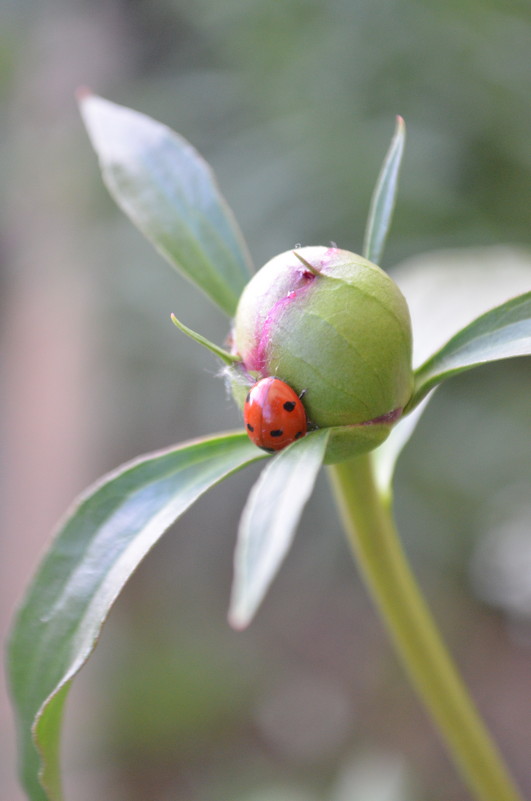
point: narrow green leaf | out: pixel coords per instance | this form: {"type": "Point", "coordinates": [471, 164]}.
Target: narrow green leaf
{"type": "Point", "coordinates": [384, 196]}
{"type": "Point", "coordinates": [169, 192]}
{"type": "Point", "coordinates": [501, 333]}
{"type": "Point", "coordinates": [226, 357]}
{"type": "Point", "coordinates": [269, 521]}
{"type": "Point", "coordinates": [102, 541]}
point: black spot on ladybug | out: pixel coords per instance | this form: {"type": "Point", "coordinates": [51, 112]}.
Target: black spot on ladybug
{"type": "Point", "coordinates": [248, 398]}
{"type": "Point", "coordinates": [250, 427]}
{"type": "Point", "coordinates": [277, 432]}
{"type": "Point", "coordinates": [298, 435]}
{"type": "Point", "coordinates": [289, 406]}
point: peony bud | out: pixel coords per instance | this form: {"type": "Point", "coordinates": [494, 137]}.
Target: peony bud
{"type": "Point", "coordinates": [332, 325]}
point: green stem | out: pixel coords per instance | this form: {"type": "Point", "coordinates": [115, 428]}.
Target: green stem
{"type": "Point", "coordinates": [375, 543]}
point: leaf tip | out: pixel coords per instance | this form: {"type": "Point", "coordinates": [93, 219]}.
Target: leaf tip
{"type": "Point", "coordinates": [240, 612]}
{"type": "Point", "coordinates": [82, 93]}
{"type": "Point", "coordinates": [400, 131]}
{"type": "Point", "coordinates": [236, 621]}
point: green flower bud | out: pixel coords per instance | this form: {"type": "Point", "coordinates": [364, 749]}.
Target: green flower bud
{"type": "Point", "coordinates": [332, 325]}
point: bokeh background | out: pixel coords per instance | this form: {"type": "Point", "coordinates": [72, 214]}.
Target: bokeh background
{"type": "Point", "coordinates": [293, 104]}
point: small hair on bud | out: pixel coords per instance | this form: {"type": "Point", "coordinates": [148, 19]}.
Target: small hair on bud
{"type": "Point", "coordinates": [307, 264]}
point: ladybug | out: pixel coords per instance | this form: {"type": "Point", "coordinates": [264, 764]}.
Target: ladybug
{"type": "Point", "coordinates": [273, 414]}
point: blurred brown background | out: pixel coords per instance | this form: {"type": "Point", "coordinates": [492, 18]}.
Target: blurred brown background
{"type": "Point", "coordinates": [293, 103]}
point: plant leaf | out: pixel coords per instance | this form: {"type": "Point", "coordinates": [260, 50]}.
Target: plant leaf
{"type": "Point", "coordinates": [104, 538]}
{"type": "Point", "coordinates": [169, 192]}
{"type": "Point", "coordinates": [445, 291]}
{"type": "Point", "coordinates": [448, 289]}
{"type": "Point", "coordinates": [386, 455]}
{"type": "Point", "coordinates": [269, 521]}
{"type": "Point", "coordinates": [384, 196]}
{"type": "Point", "coordinates": [501, 333]}
{"type": "Point", "coordinates": [224, 355]}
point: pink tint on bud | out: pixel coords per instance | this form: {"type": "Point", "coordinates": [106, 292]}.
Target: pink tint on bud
{"type": "Point", "coordinates": [256, 360]}
{"type": "Point", "coordinates": [329, 257]}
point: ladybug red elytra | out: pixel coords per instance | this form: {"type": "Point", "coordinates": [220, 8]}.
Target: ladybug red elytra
{"type": "Point", "coordinates": [274, 415]}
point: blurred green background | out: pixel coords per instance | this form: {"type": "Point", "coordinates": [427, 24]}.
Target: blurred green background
{"type": "Point", "coordinates": [293, 103]}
